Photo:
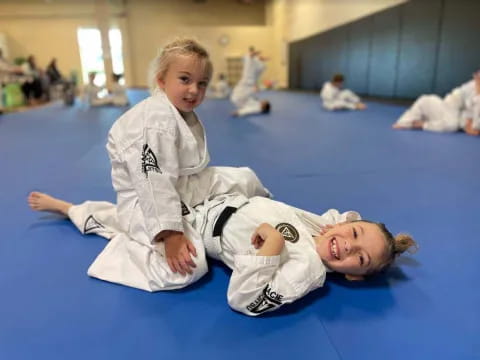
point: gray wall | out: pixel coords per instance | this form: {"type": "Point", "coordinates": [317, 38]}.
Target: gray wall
{"type": "Point", "coordinates": [422, 46]}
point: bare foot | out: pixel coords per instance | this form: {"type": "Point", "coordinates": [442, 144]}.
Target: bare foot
{"type": "Point", "coordinates": [42, 202]}
{"type": "Point", "coordinates": [397, 126]}
{"type": "Point", "coordinates": [361, 106]}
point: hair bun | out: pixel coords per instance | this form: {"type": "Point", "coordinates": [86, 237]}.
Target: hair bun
{"type": "Point", "coordinates": [404, 242]}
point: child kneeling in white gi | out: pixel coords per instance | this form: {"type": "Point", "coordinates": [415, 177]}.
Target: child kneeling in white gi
{"type": "Point", "coordinates": [277, 253]}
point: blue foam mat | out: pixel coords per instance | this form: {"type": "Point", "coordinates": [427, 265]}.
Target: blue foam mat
{"type": "Point", "coordinates": [427, 184]}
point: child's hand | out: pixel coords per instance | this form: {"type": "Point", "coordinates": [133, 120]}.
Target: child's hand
{"type": "Point", "coordinates": [268, 240]}
{"type": "Point", "coordinates": [177, 250]}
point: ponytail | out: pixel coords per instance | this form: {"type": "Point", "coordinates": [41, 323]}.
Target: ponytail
{"type": "Point", "coordinates": [396, 245]}
{"type": "Point", "coordinates": [404, 242]}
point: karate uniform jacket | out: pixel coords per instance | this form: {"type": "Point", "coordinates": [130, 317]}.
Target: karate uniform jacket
{"type": "Point", "coordinates": [264, 283]}
{"type": "Point", "coordinates": [459, 100]}
{"type": "Point", "coordinates": [150, 147]}
{"type": "Point", "coordinates": [118, 96]}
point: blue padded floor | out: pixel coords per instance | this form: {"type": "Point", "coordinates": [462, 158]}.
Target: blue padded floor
{"type": "Point", "coordinates": [426, 307]}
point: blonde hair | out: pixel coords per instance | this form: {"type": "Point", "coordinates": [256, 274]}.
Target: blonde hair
{"type": "Point", "coordinates": [180, 46]}
{"type": "Point", "coordinates": [396, 245]}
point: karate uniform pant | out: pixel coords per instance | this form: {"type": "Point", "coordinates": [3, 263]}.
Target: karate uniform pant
{"type": "Point", "coordinates": [436, 114]}
{"type": "Point", "coordinates": [133, 260]}
{"type": "Point", "coordinates": [349, 96]}
{"type": "Point", "coordinates": [241, 94]}
{"type": "Point", "coordinates": [346, 99]}
{"type": "Point", "coordinates": [100, 101]}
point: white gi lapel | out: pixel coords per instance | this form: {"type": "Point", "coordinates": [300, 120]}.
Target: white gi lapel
{"type": "Point", "coordinates": [189, 160]}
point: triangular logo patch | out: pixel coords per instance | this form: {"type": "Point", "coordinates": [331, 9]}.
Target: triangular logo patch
{"type": "Point", "coordinates": [149, 161]}
{"type": "Point", "coordinates": [91, 224]}
{"type": "Point", "coordinates": [288, 232]}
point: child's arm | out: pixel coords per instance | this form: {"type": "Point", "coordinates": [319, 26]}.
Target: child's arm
{"type": "Point", "coordinates": [262, 283]}
{"type": "Point", "coordinates": [268, 240]}
{"type": "Point", "coordinates": [153, 169]}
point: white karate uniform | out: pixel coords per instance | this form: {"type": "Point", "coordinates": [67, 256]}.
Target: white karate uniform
{"type": "Point", "coordinates": [435, 114]}
{"type": "Point", "coordinates": [258, 283]}
{"type": "Point", "coordinates": [264, 283]}
{"type": "Point", "coordinates": [143, 265]}
{"type": "Point", "coordinates": [91, 95]}
{"type": "Point", "coordinates": [334, 98]}
{"type": "Point", "coordinates": [221, 90]}
{"type": "Point", "coordinates": [152, 150]}
{"type": "Point", "coordinates": [243, 93]}
{"type": "Point", "coordinates": [118, 95]}
{"type": "Point", "coordinates": [459, 99]}
{"type": "Point", "coordinates": [442, 115]}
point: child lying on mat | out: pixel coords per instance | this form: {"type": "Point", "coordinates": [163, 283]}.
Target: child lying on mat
{"type": "Point", "coordinates": [459, 110]}
{"type": "Point", "coordinates": [277, 253]}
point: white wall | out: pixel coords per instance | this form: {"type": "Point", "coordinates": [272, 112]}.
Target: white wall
{"type": "Point", "coordinates": [4, 45]}
{"type": "Point", "coordinates": [308, 17]}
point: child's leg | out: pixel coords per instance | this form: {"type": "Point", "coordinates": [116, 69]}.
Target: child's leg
{"type": "Point", "coordinates": [90, 217]}
{"type": "Point", "coordinates": [219, 180]}
{"type": "Point", "coordinates": [42, 202]}
{"type": "Point", "coordinates": [349, 96]}
{"type": "Point", "coordinates": [414, 113]}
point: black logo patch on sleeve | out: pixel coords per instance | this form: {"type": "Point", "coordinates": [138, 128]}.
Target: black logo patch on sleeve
{"type": "Point", "coordinates": [91, 224]}
{"type": "Point", "coordinates": [265, 301]}
{"type": "Point", "coordinates": [149, 161]}
{"type": "Point", "coordinates": [185, 210]}
{"type": "Point", "coordinates": [288, 232]}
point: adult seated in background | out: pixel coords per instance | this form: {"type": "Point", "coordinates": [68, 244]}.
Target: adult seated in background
{"type": "Point", "coordinates": [53, 74]}
{"type": "Point", "coordinates": [459, 110]}
{"type": "Point", "coordinates": [336, 98]}
{"type": "Point", "coordinates": [35, 86]}
{"type": "Point", "coordinates": [243, 93]}
{"type": "Point", "coordinates": [59, 86]}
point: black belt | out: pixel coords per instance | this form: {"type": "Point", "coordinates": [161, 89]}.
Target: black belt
{"type": "Point", "coordinates": [222, 219]}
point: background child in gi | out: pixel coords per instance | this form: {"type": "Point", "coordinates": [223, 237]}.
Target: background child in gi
{"type": "Point", "coordinates": [118, 92]}
{"type": "Point", "coordinates": [277, 253]}
{"type": "Point", "coordinates": [221, 89]}
{"type": "Point", "coordinates": [92, 92]}
{"type": "Point", "coordinates": [460, 109]}
{"type": "Point", "coordinates": [243, 94]}
{"type": "Point", "coordinates": [334, 97]}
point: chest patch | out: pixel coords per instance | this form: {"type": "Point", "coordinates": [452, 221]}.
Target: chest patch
{"type": "Point", "coordinates": [288, 232]}
{"type": "Point", "coordinates": [149, 161]}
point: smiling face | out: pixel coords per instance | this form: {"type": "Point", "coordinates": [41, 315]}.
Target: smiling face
{"type": "Point", "coordinates": [354, 248]}
{"type": "Point", "coordinates": [185, 82]}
